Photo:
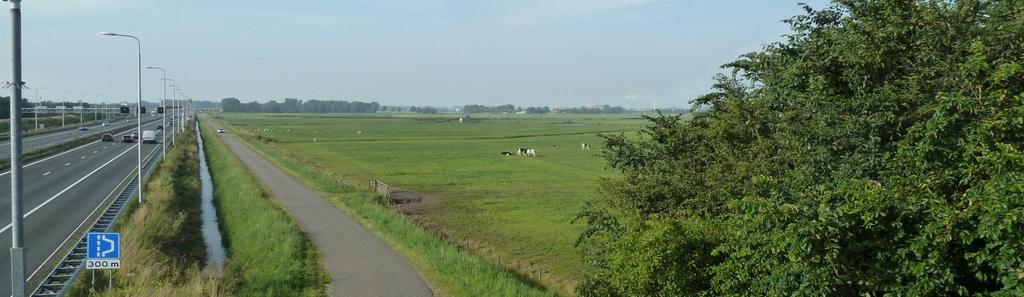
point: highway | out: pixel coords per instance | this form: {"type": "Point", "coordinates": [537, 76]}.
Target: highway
{"type": "Point", "coordinates": [60, 191]}
{"type": "Point", "coordinates": [54, 138]}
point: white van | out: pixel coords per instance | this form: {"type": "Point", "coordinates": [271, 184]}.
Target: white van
{"type": "Point", "coordinates": [149, 136]}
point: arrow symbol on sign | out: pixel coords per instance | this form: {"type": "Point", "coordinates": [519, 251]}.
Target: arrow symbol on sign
{"type": "Point", "coordinates": [103, 254]}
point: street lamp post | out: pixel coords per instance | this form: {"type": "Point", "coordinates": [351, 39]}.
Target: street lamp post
{"type": "Point", "coordinates": [138, 111]}
{"type": "Point", "coordinates": [63, 107]}
{"type": "Point", "coordinates": [35, 109]}
{"type": "Point", "coordinates": [17, 233]}
{"type": "Point", "coordinates": [181, 110]}
{"type": "Point", "coordinates": [163, 102]}
{"type": "Point", "coordinates": [174, 101]}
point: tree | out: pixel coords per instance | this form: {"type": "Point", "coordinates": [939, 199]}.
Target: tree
{"type": "Point", "coordinates": [876, 151]}
{"type": "Point", "coordinates": [231, 105]}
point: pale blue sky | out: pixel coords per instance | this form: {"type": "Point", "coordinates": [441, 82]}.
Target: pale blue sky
{"type": "Point", "coordinates": [402, 52]}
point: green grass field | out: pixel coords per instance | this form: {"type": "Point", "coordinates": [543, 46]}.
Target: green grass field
{"type": "Point", "coordinates": [513, 210]}
{"type": "Point", "coordinates": [266, 248]}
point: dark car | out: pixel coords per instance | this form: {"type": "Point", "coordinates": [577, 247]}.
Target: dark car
{"type": "Point", "coordinates": [135, 136]}
{"type": "Point", "coordinates": [83, 128]}
{"type": "Point", "coordinates": [159, 128]}
{"type": "Point", "coordinates": [127, 139]}
{"type": "Point", "coordinates": [107, 137]}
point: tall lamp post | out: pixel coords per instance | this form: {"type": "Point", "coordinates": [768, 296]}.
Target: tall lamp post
{"type": "Point", "coordinates": [163, 102]}
{"type": "Point", "coordinates": [138, 111]}
{"type": "Point", "coordinates": [181, 108]}
{"type": "Point", "coordinates": [17, 234]}
{"type": "Point", "coordinates": [174, 101]}
{"type": "Point", "coordinates": [35, 109]}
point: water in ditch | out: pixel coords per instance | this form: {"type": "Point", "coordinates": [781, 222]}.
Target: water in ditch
{"type": "Point", "coordinates": [211, 230]}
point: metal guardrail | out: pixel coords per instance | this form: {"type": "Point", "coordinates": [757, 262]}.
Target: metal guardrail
{"type": "Point", "coordinates": [63, 275]}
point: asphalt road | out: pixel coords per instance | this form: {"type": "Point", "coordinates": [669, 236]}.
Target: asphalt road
{"type": "Point", "coordinates": [54, 138]}
{"type": "Point", "coordinates": [360, 264]}
{"type": "Point", "coordinates": [60, 192]}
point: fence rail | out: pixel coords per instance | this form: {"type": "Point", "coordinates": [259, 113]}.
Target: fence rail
{"type": "Point", "coordinates": [381, 188]}
{"type": "Point", "coordinates": [392, 195]}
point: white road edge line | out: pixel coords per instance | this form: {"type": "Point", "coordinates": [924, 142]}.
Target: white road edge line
{"type": "Point", "coordinates": [47, 173]}
{"type": "Point", "coordinates": [69, 187]}
{"type": "Point", "coordinates": [130, 175]}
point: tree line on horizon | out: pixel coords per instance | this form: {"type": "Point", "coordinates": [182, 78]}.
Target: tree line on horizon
{"type": "Point", "coordinates": [509, 109]}
{"type": "Point", "coordinates": [291, 105]}
{"type": "Point", "coordinates": [877, 151]}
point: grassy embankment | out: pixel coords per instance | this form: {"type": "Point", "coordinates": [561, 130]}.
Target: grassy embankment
{"type": "Point", "coordinates": [162, 248]}
{"type": "Point", "coordinates": [273, 256]}
{"type": "Point", "coordinates": [163, 253]}
{"type": "Point", "coordinates": [516, 211]}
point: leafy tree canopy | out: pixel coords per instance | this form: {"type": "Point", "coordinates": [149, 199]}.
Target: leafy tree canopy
{"type": "Point", "coordinates": [876, 151]}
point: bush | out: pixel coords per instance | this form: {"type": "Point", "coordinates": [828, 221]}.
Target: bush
{"type": "Point", "coordinates": [876, 151]}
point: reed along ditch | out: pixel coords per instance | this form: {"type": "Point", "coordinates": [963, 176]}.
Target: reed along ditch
{"type": "Point", "coordinates": [211, 229]}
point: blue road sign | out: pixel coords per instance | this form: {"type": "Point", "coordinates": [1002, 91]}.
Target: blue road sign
{"type": "Point", "coordinates": [104, 246]}
{"type": "Point", "coordinates": [103, 251]}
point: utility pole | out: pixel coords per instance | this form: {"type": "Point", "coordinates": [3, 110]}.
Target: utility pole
{"type": "Point", "coordinates": [17, 232]}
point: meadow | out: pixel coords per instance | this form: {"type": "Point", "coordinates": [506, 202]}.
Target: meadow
{"type": "Point", "coordinates": [516, 211]}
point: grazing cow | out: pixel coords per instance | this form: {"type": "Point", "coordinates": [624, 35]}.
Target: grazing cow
{"type": "Point", "coordinates": [554, 146]}
{"type": "Point", "coordinates": [585, 147]}
{"type": "Point", "coordinates": [506, 153]}
{"type": "Point", "coordinates": [531, 152]}
{"type": "Point", "coordinates": [521, 151]}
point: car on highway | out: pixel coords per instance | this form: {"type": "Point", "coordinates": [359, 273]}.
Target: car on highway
{"type": "Point", "coordinates": [127, 139]}
{"type": "Point", "coordinates": [149, 136]}
{"type": "Point", "coordinates": [107, 138]}
{"type": "Point", "coordinates": [83, 128]}
{"type": "Point", "coordinates": [104, 124]}
{"type": "Point", "coordinates": [159, 128]}
{"type": "Point", "coordinates": [135, 136]}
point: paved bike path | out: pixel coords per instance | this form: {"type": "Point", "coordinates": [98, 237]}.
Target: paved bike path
{"type": "Point", "coordinates": [359, 263]}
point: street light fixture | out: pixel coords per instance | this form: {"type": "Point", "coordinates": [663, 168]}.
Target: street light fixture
{"type": "Point", "coordinates": [138, 111]}
{"type": "Point", "coordinates": [163, 102]}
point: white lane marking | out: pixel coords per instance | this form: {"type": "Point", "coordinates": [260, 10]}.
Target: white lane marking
{"type": "Point", "coordinates": [51, 157]}
{"type": "Point", "coordinates": [83, 157]}
{"type": "Point", "coordinates": [151, 154]}
{"type": "Point", "coordinates": [66, 164]}
{"type": "Point", "coordinates": [69, 187]}
{"type": "Point", "coordinates": [63, 153]}
{"type": "Point", "coordinates": [47, 173]}
{"type": "Point", "coordinates": [95, 152]}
